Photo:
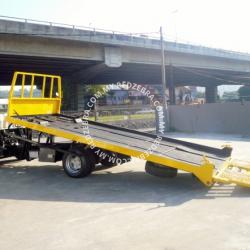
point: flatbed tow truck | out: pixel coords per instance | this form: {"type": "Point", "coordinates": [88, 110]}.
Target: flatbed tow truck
{"type": "Point", "coordinates": [35, 123]}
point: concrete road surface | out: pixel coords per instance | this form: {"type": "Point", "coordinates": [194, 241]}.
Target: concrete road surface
{"type": "Point", "coordinates": [121, 207]}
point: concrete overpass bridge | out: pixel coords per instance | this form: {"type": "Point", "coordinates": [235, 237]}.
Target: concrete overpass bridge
{"type": "Point", "coordinates": [85, 56]}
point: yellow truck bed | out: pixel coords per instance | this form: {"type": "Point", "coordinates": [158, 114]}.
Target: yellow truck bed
{"type": "Point", "coordinates": [43, 114]}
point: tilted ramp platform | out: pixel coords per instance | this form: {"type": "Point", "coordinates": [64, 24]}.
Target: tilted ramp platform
{"type": "Point", "coordinates": [42, 114]}
{"type": "Point", "coordinates": [191, 157]}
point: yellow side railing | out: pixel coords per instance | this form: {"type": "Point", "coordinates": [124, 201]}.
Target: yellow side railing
{"type": "Point", "coordinates": [23, 101]}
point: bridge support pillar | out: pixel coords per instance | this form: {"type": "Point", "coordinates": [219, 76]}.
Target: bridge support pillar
{"type": "Point", "coordinates": [80, 102]}
{"type": "Point", "coordinates": [171, 86]}
{"type": "Point", "coordinates": [211, 94]}
{"type": "Point", "coordinates": [69, 101]}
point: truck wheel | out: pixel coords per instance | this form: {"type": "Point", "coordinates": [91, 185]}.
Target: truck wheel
{"type": "Point", "coordinates": [77, 164]}
{"type": "Point", "coordinates": [160, 170]}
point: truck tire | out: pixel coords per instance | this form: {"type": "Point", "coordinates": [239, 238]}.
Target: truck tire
{"type": "Point", "coordinates": [77, 164]}
{"type": "Point", "coordinates": [160, 170]}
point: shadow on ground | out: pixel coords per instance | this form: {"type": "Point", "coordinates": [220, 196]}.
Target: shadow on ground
{"type": "Point", "coordinates": [49, 183]}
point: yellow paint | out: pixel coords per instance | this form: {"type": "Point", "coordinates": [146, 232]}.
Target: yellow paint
{"type": "Point", "coordinates": [203, 172]}
{"type": "Point", "coordinates": [31, 105]}
{"type": "Point", "coordinates": [233, 172]}
{"type": "Point", "coordinates": [34, 105]}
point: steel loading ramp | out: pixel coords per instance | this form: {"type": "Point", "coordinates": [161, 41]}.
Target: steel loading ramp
{"type": "Point", "coordinates": [190, 157]}
{"type": "Point", "coordinates": [232, 171]}
{"type": "Point", "coordinates": [43, 114]}
{"type": "Point", "coordinates": [113, 137]}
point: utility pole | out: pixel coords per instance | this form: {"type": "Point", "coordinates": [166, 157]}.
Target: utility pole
{"type": "Point", "coordinates": [163, 78]}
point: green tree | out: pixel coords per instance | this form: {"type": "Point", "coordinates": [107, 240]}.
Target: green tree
{"type": "Point", "coordinates": [244, 93]}
{"type": "Point", "coordinates": [93, 89]}
{"type": "Point", "coordinates": [200, 94]}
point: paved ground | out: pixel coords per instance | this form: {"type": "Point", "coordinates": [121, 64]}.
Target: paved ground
{"type": "Point", "coordinates": [121, 208]}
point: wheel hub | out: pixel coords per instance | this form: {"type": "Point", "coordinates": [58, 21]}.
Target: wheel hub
{"type": "Point", "coordinates": [73, 163]}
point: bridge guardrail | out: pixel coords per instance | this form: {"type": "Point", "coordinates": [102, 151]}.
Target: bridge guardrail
{"type": "Point", "coordinates": [136, 37]}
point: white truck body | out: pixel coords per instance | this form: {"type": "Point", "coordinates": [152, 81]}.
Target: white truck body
{"type": "Point", "coordinates": [3, 113]}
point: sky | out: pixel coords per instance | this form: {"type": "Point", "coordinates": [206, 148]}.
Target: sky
{"type": "Point", "coordinates": [219, 24]}
{"type": "Point", "coordinates": [214, 23]}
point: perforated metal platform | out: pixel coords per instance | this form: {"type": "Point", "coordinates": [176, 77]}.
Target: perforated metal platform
{"type": "Point", "coordinates": [132, 139]}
